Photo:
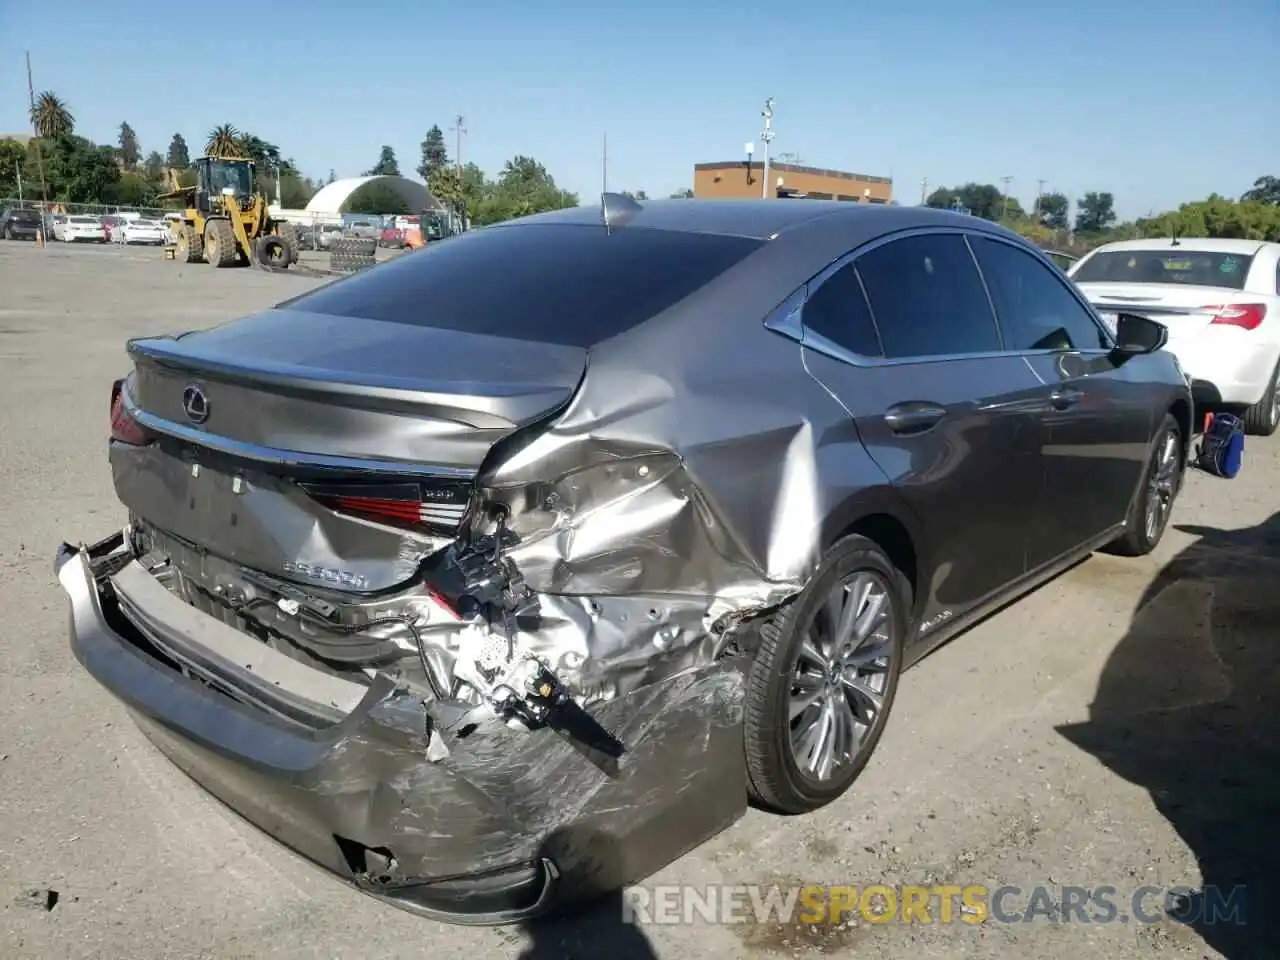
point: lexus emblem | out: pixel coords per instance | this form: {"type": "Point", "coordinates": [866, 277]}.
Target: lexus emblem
{"type": "Point", "coordinates": [195, 404]}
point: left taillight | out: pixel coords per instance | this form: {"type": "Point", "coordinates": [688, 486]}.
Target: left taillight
{"type": "Point", "coordinates": [124, 429]}
{"type": "Point", "coordinates": [1248, 316]}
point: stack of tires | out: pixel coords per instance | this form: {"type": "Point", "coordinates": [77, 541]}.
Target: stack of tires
{"type": "Point", "coordinates": [349, 254]}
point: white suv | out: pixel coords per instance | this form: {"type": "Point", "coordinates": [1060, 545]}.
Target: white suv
{"type": "Point", "coordinates": [1220, 300]}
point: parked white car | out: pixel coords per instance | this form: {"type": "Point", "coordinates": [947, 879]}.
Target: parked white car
{"type": "Point", "coordinates": [141, 231]}
{"type": "Point", "coordinates": [83, 229]}
{"type": "Point", "coordinates": [1220, 300]}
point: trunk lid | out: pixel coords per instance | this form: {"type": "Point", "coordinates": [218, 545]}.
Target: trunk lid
{"type": "Point", "coordinates": [332, 452]}
{"type": "Point", "coordinates": [1180, 307]}
{"type": "Point", "coordinates": [326, 386]}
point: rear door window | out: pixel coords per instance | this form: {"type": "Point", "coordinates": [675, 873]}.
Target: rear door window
{"type": "Point", "coordinates": [927, 298]}
{"type": "Point", "coordinates": [569, 284]}
{"type": "Point", "coordinates": [1035, 307]}
{"type": "Point", "coordinates": [838, 312]}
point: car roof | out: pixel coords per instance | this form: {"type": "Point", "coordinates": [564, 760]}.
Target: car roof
{"type": "Point", "coordinates": [756, 219]}
{"type": "Point", "coordinates": [1192, 244]}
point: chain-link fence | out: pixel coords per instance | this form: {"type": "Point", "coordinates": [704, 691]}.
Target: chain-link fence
{"type": "Point", "coordinates": [82, 209]}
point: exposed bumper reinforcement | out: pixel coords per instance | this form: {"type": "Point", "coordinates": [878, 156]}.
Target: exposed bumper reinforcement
{"type": "Point", "coordinates": [509, 825]}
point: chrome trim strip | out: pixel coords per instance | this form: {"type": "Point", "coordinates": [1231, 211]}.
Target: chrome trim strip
{"type": "Point", "coordinates": [787, 318]}
{"type": "Point", "coordinates": [289, 458]}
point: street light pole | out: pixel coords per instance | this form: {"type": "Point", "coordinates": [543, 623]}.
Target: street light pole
{"type": "Point", "coordinates": [924, 190]}
{"type": "Point", "coordinates": [1004, 210]}
{"type": "Point", "coordinates": [766, 138]}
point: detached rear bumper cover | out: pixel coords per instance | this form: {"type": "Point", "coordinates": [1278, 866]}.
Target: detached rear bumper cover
{"type": "Point", "coordinates": [506, 826]}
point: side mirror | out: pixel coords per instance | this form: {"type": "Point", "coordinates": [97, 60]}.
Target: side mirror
{"type": "Point", "coordinates": [1136, 335]}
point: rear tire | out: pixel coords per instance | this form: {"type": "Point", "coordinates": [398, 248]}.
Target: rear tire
{"type": "Point", "coordinates": [788, 769]}
{"type": "Point", "coordinates": [1262, 419]}
{"type": "Point", "coordinates": [1153, 505]}
{"type": "Point", "coordinates": [220, 247]}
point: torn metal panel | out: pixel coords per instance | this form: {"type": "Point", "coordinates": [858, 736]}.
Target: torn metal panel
{"type": "Point", "coordinates": [492, 829]}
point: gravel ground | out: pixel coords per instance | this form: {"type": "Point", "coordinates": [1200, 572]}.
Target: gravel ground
{"type": "Point", "coordinates": [1118, 727]}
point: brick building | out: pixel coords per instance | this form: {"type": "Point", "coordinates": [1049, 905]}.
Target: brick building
{"type": "Point", "coordinates": [741, 180]}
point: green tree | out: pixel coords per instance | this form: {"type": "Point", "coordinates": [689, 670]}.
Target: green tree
{"type": "Point", "coordinates": [13, 156]}
{"type": "Point", "coordinates": [445, 184]}
{"type": "Point", "coordinates": [523, 188]}
{"type": "Point", "coordinates": [130, 153]}
{"type": "Point", "coordinates": [223, 141]}
{"type": "Point", "coordinates": [332, 176]}
{"type": "Point", "coordinates": [132, 190]}
{"type": "Point", "coordinates": [386, 165]}
{"type": "Point", "coordinates": [376, 198]}
{"type": "Point", "coordinates": [79, 171]}
{"type": "Point", "coordinates": [1095, 212]}
{"type": "Point", "coordinates": [154, 166]}
{"type": "Point", "coordinates": [980, 199]}
{"type": "Point", "coordinates": [295, 191]}
{"type": "Point", "coordinates": [1053, 211]}
{"type": "Point", "coordinates": [1265, 190]}
{"type": "Point", "coordinates": [179, 158]}
{"type": "Point", "coordinates": [51, 118]}
{"type": "Point", "coordinates": [475, 186]}
{"type": "Point", "coordinates": [640, 196]}
{"type": "Point", "coordinates": [685, 194]}
{"type": "Point", "coordinates": [435, 156]}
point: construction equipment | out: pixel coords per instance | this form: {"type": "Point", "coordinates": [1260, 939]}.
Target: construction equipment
{"type": "Point", "coordinates": [226, 221]}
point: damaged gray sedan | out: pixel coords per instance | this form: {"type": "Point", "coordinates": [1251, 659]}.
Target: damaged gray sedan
{"type": "Point", "coordinates": [505, 573]}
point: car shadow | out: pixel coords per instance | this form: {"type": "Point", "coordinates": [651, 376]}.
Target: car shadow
{"type": "Point", "coordinates": [595, 925]}
{"type": "Point", "coordinates": [1188, 707]}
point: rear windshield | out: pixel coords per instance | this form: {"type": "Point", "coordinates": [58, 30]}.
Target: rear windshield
{"type": "Point", "coordinates": [83, 220]}
{"type": "Point", "coordinates": [574, 285]}
{"type": "Point", "coordinates": [1192, 267]}
{"type": "Point", "coordinates": [24, 216]}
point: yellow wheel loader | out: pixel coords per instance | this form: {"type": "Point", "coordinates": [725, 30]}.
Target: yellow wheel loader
{"type": "Point", "coordinates": [226, 222]}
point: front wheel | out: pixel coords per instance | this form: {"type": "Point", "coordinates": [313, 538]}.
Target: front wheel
{"type": "Point", "coordinates": [1153, 503]}
{"type": "Point", "coordinates": [824, 679]}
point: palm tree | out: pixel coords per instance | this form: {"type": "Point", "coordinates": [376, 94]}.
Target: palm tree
{"type": "Point", "coordinates": [224, 141]}
{"type": "Point", "coordinates": [50, 116]}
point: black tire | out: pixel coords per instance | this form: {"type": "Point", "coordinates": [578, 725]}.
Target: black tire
{"type": "Point", "coordinates": [1138, 538]}
{"type": "Point", "coordinates": [272, 252]}
{"type": "Point", "coordinates": [775, 778]}
{"type": "Point", "coordinates": [355, 246]}
{"type": "Point", "coordinates": [220, 245]}
{"type": "Point", "coordinates": [190, 245]}
{"type": "Point", "coordinates": [1262, 419]}
{"type": "Point", "coordinates": [288, 234]}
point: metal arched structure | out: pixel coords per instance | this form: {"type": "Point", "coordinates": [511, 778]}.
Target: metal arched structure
{"type": "Point", "coordinates": [331, 197]}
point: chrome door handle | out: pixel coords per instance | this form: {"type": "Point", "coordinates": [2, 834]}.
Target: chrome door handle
{"type": "Point", "coordinates": [1065, 398]}
{"type": "Point", "coordinates": [914, 416]}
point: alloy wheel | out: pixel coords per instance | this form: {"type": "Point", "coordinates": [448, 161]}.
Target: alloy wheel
{"type": "Point", "coordinates": [1163, 486]}
{"type": "Point", "coordinates": [841, 675]}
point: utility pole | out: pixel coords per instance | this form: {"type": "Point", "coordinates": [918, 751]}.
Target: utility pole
{"type": "Point", "coordinates": [1039, 193]}
{"type": "Point", "coordinates": [459, 128]}
{"type": "Point", "coordinates": [766, 138]}
{"type": "Point", "coordinates": [924, 190]}
{"type": "Point", "coordinates": [1004, 211]}
{"type": "Point", "coordinates": [31, 92]}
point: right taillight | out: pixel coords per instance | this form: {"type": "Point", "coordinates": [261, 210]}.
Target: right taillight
{"type": "Point", "coordinates": [124, 429]}
{"type": "Point", "coordinates": [1248, 316]}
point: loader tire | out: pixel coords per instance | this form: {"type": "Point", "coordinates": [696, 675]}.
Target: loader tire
{"type": "Point", "coordinates": [355, 246]}
{"type": "Point", "coordinates": [220, 246]}
{"type": "Point", "coordinates": [288, 234]}
{"type": "Point", "coordinates": [272, 252]}
{"type": "Point", "coordinates": [190, 245]}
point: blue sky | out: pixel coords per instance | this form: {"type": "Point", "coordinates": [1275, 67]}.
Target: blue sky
{"type": "Point", "coordinates": [1157, 102]}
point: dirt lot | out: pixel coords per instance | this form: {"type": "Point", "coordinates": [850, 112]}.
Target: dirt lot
{"type": "Point", "coordinates": [1116, 728]}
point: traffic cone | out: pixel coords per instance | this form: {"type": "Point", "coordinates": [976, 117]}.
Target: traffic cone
{"type": "Point", "coordinates": [40, 236]}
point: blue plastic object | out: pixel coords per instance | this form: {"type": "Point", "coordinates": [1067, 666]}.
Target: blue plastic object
{"type": "Point", "coordinates": [1222, 447]}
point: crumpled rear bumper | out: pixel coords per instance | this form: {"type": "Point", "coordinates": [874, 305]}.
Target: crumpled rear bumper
{"type": "Point", "coordinates": [508, 825]}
